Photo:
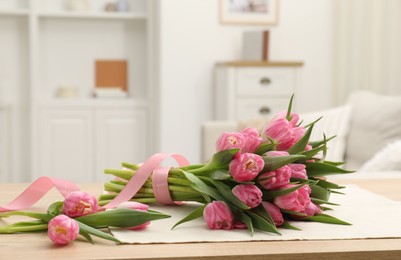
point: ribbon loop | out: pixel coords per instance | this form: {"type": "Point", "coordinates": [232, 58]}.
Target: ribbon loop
{"type": "Point", "coordinates": [160, 186]}
{"type": "Point", "coordinates": [37, 190]}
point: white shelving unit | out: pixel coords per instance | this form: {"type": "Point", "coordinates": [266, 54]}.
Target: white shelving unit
{"type": "Point", "coordinates": [47, 46]}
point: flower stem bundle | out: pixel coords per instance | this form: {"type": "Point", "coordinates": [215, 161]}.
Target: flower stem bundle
{"type": "Point", "coordinates": [257, 181]}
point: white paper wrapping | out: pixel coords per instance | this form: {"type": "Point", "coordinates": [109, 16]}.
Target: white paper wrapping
{"type": "Point", "coordinates": [371, 215]}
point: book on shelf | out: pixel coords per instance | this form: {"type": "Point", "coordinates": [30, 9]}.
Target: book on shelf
{"type": "Point", "coordinates": [255, 45]}
{"type": "Point", "coordinates": [110, 92]}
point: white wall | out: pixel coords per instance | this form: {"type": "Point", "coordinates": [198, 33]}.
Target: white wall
{"type": "Point", "coordinates": [193, 40]}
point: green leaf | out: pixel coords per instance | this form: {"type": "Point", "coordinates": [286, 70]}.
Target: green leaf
{"type": "Point", "coordinates": [321, 142]}
{"type": "Point", "coordinates": [264, 148]}
{"type": "Point", "coordinates": [246, 220]}
{"type": "Point", "coordinates": [55, 208]}
{"type": "Point", "coordinates": [324, 208]}
{"type": "Point", "coordinates": [287, 225]}
{"type": "Point", "coordinates": [310, 153]}
{"type": "Point", "coordinates": [219, 161]}
{"type": "Point", "coordinates": [334, 163]}
{"type": "Point", "coordinates": [337, 192]}
{"type": "Point", "coordinates": [93, 231]}
{"type": "Point", "coordinates": [261, 223]}
{"type": "Point", "coordinates": [314, 169]}
{"type": "Point", "coordinates": [320, 193]}
{"type": "Point", "coordinates": [268, 195]}
{"type": "Point", "coordinates": [220, 175]}
{"type": "Point", "coordinates": [274, 162]}
{"type": "Point", "coordinates": [202, 187]}
{"type": "Point", "coordinates": [328, 185]}
{"type": "Point", "coordinates": [227, 193]}
{"type": "Point", "coordinates": [86, 235]}
{"type": "Point", "coordinates": [302, 142]}
{"type": "Point", "coordinates": [314, 122]}
{"type": "Point", "coordinates": [295, 213]}
{"type": "Point", "coordinates": [323, 218]}
{"type": "Point", "coordinates": [288, 116]}
{"type": "Point", "coordinates": [319, 201]}
{"type": "Point", "coordinates": [261, 211]}
{"type": "Point", "coordinates": [197, 213]}
{"type": "Point", "coordinates": [120, 217]}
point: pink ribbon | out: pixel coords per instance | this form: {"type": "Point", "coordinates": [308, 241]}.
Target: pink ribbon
{"type": "Point", "coordinates": [41, 186]}
{"type": "Point", "coordinates": [37, 190]}
{"type": "Point", "coordinates": [160, 187]}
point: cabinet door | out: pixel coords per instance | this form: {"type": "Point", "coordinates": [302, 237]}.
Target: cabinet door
{"type": "Point", "coordinates": [121, 137]}
{"type": "Point", "coordinates": [3, 146]}
{"type": "Point", "coordinates": [65, 144]}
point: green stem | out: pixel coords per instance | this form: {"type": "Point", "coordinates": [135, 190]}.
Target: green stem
{"type": "Point", "coordinates": [41, 216]}
{"type": "Point", "coordinates": [133, 167]}
{"type": "Point", "coordinates": [124, 174]}
{"type": "Point", "coordinates": [11, 230]}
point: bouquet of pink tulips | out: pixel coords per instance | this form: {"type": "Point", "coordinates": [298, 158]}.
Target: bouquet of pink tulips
{"type": "Point", "coordinates": [79, 214]}
{"type": "Point", "coordinates": [254, 181]}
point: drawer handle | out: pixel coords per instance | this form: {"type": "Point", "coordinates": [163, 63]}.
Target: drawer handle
{"type": "Point", "coordinates": [264, 110]}
{"type": "Point", "coordinates": [265, 81]}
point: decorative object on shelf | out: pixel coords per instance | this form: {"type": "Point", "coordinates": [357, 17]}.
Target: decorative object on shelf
{"type": "Point", "coordinates": [255, 45]}
{"type": "Point", "coordinates": [110, 7]}
{"type": "Point", "coordinates": [111, 74]}
{"type": "Point", "coordinates": [67, 92]}
{"type": "Point", "coordinates": [79, 5]}
{"type": "Point", "coordinates": [253, 181]}
{"type": "Point", "coordinates": [122, 6]}
{"type": "Point", "coordinates": [261, 12]}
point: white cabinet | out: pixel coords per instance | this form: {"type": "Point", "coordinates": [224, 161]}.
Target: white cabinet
{"type": "Point", "coordinates": [246, 90]}
{"type": "Point", "coordinates": [79, 143]}
{"type": "Point", "coordinates": [46, 46]}
{"type": "Point", "coordinates": [65, 144]}
{"type": "Point", "coordinates": [121, 136]}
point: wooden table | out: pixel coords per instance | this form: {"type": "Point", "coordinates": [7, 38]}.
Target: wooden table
{"type": "Point", "coordinates": [38, 246]}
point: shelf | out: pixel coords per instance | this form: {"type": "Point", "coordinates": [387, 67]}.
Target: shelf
{"type": "Point", "coordinates": [261, 64]}
{"type": "Point", "coordinates": [94, 15]}
{"type": "Point", "coordinates": [15, 12]}
{"type": "Point", "coordinates": [92, 102]}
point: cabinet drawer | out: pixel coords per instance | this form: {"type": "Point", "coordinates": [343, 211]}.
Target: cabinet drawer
{"type": "Point", "coordinates": [265, 81]}
{"type": "Point", "coordinates": [248, 108]}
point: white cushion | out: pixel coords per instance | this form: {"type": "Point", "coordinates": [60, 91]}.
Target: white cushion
{"type": "Point", "coordinates": [336, 122]}
{"type": "Point", "coordinates": [376, 122]}
{"type": "Point", "coordinates": [387, 159]}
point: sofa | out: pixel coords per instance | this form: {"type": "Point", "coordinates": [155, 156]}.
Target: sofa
{"type": "Point", "coordinates": [367, 129]}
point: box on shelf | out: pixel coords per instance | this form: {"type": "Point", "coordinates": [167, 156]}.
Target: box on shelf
{"type": "Point", "coordinates": [111, 74]}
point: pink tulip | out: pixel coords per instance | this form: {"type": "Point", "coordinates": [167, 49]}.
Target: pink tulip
{"type": "Point", "coordinates": [298, 171]}
{"type": "Point", "coordinates": [311, 209]}
{"type": "Point", "coordinates": [246, 166]}
{"type": "Point", "coordinates": [230, 140]}
{"type": "Point", "coordinates": [294, 117]}
{"type": "Point", "coordinates": [136, 206]}
{"type": "Point", "coordinates": [249, 194]}
{"type": "Point", "coordinates": [295, 201]}
{"type": "Point", "coordinates": [275, 179]}
{"type": "Point", "coordinates": [218, 215]}
{"type": "Point", "coordinates": [274, 212]}
{"type": "Point", "coordinates": [252, 140]}
{"type": "Point", "coordinates": [285, 133]}
{"type": "Point", "coordinates": [238, 224]}
{"type": "Point", "coordinates": [79, 203]}
{"type": "Point", "coordinates": [277, 153]}
{"type": "Point", "coordinates": [62, 230]}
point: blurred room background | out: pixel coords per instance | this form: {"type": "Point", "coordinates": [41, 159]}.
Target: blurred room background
{"type": "Point", "coordinates": [63, 115]}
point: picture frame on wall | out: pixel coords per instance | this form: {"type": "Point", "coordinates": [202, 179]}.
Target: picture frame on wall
{"type": "Point", "coordinates": [256, 12]}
